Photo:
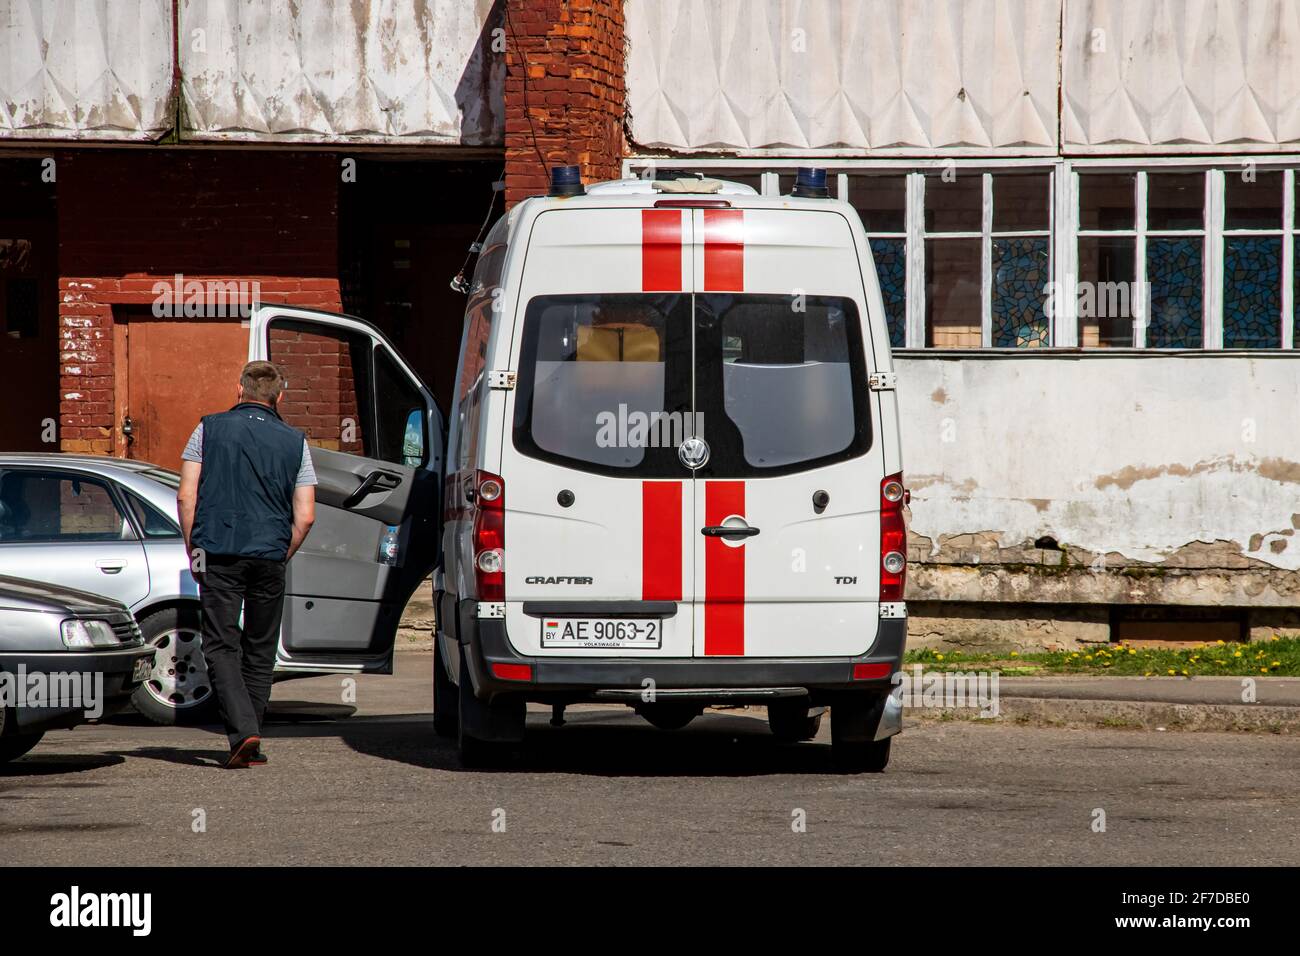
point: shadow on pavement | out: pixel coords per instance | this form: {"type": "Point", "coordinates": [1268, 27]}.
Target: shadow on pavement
{"type": "Point", "coordinates": [41, 763]}
{"type": "Point", "coordinates": [597, 743]}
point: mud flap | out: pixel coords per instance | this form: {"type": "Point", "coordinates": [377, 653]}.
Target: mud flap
{"type": "Point", "coordinates": [863, 718]}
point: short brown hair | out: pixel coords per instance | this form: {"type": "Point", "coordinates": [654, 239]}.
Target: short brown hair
{"type": "Point", "coordinates": [262, 382]}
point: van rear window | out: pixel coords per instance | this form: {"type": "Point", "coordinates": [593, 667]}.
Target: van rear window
{"type": "Point", "coordinates": [600, 378]}
{"type": "Point", "coordinates": [781, 382]}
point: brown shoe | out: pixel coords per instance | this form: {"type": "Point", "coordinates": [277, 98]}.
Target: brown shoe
{"type": "Point", "coordinates": [243, 752]}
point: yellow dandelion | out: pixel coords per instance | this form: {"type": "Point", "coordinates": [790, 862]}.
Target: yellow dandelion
{"type": "Point", "coordinates": [1171, 672]}
{"type": "Point", "coordinates": [1131, 651]}
{"type": "Point", "coordinates": [1236, 653]}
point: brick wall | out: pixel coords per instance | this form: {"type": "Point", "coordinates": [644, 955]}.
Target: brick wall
{"type": "Point", "coordinates": [565, 94]}
{"type": "Point", "coordinates": [129, 218]}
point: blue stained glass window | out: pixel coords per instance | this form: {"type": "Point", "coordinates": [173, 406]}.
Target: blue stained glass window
{"type": "Point", "coordinates": [1021, 270]}
{"type": "Point", "coordinates": [1252, 292]}
{"type": "Point", "coordinates": [891, 270]}
{"type": "Point", "coordinates": [1174, 271]}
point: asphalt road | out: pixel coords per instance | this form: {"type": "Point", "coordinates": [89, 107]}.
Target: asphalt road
{"type": "Point", "coordinates": [370, 784]}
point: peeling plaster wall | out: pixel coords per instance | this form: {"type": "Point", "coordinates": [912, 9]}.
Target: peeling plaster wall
{"type": "Point", "coordinates": [1183, 462]}
{"type": "Point", "coordinates": [85, 69]}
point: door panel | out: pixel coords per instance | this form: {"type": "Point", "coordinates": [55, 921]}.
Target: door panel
{"type": "Point", "coordinates": [781, 390]}
{"type": "Point", "coordinates": [602, 400]}
{"type": "Point", "coordinates": [376, 444]}
{"type": "Point", "coordinates": [68, 528]}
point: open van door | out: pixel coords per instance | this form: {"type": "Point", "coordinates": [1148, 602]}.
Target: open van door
{"type": "Point", "coordinates": [376, 440]}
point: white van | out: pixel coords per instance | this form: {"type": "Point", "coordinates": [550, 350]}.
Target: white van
{"type": "Point", "coordinates": [674, 475]}
{"type": "Point", "coordinates": [672, 472]}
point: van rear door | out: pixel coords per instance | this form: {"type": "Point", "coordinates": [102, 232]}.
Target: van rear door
{"type": "Point", "coordinates": [787, 506]}
{"type": "Point", "coordinates": [598, 508]}
{"type": "Point", "coordinates": [376, 441]}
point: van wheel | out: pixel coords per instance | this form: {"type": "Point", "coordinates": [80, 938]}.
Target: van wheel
{"type": "Point", "coordinates": [11, 748]}
{"type": "Point", "coordinates": [670, 716]}
{"type": "Point", "coordinates": [178, 689]}
{"type": "Point", "coordinates": [792, 723]}
{"type": "Point", "coordinates": [487, 732]}
{"type": "Point", "coordinates": [446, 697]}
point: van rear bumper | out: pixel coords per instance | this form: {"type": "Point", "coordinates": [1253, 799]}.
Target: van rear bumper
{"type": "Point", "coordinates": [484, 643]}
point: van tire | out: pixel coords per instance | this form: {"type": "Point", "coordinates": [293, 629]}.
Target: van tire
{"type": "Point", "coordinates": [487, 732]}
{"type": "Point", "coordinates": [872, 757]}
{"type": "Point", "coordinates": [17, 745]}
{"type": "Point", "coordinates": [792, 723]}
{"type": "Point", "coordinates": [670, 716]}
{"type": "Point", "coordinates": [446, 697]}
{"type": "Point", "coordinates": [174, 632]}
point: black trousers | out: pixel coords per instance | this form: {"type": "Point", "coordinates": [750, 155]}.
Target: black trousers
{"type": "Point", "coordinates": [241, 660]}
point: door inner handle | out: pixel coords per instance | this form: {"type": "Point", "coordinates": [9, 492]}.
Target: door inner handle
{"type": "Point", "coordinates": [727, 531]}
{"type": "Point", "coordinates": [375, 481]}
{"type": "Point", "coordinates": [110, 565]}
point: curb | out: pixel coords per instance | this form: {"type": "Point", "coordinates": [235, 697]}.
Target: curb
{"type": "Point", "coordinates": [1130, 714]}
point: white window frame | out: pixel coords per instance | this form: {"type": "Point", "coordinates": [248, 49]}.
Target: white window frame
{"type": "Point", "coordinates": [1064, 231]}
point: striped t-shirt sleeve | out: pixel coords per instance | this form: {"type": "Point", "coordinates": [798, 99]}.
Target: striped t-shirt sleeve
{"type": "Point", "coordinates": [194, 447]}
{"type": "Point", "coordinates": [306, 471]}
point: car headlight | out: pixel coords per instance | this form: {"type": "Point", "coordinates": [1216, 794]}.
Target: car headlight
{"type": "Point", "coordinates": [81, 633]}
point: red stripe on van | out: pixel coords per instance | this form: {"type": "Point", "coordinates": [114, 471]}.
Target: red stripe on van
{"type": "Point", "coordinates": [724, 573]}
{"type": "Point", "coordinates": [661, 541]}
{"type": "Point", "coordinates": [724, 250]}
{"type": "Point", "coordinates": [661, 250]}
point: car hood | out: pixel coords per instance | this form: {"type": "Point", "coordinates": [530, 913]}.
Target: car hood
{"type": "Point", "coordinates": [23, 595]}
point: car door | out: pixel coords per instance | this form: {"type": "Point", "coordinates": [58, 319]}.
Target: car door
{"type": "Point", "coordinates": [69, 527]}
{"type": "Point", "coordinates": [376, 439]}
{"type": "Point", "coordinates": [787, 504]}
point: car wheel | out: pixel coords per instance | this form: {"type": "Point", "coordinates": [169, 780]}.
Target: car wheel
{"type": "Point", "coordinates": [446, 697]}
{"type": "Point", "coordinates": [178, 689]}
{"type": "Point", "coordinates": [791, 723]}
{"type": "Point", "coordinates": [16, 745]}
{"type": "Point", "coordinates": [670, 716]}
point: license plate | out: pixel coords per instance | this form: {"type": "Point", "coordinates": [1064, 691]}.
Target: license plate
{"type": "Point", "coordinates": [616, 632]}
{"type": "Point", "coordinates": [143, 667]}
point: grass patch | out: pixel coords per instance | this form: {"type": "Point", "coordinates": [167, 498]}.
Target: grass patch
{"type": "Point", "coordinates": [1278, 657]}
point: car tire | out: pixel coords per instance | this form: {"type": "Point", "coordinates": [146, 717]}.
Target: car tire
{"type": "Point", "coordinates": [504, 717]}
{"type": "Point", "coordinates": [178, 691]}
{"type": "Point", "coordinates": [17, 745]}
{"type": "Point", "coordinates": [792, 723]}
{"type": "Point", "coordinates": [446, 697]}
{"type": "Point", "coordinates": [670, 715]}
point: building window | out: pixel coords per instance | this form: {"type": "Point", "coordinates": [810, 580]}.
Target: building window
{"type": "Point", "coordinates": [881, 202]}
{"type": "Point", "coordinates": [1021, 260]}
{"type": "Point", "coordinates": [1106, 294]}
{"type": "Point", "coordinates": [1252, 258]}
{"type": "Point", "coordinates": [1175, 252]}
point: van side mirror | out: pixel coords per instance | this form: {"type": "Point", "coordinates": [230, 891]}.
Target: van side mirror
{"type": "Point", "coordinates": [413, 439]}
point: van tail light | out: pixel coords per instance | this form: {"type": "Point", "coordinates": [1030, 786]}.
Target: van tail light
{"type": "Point", "coordinates": [893, 539]}
{"type": "Point", "coordinates": [489, 504]}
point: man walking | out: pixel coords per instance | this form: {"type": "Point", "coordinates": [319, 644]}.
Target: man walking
{"type": "Point", "coordinates": [247, 499]}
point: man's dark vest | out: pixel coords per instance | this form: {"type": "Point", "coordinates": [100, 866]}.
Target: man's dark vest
{"type": "Point", "coordinates": [250, 466]}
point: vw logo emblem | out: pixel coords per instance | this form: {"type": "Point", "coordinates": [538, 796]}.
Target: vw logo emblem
{"type": "Point", "coordinates": [694, 453]}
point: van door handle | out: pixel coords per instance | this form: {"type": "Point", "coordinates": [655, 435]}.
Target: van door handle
{"type": "Point", "coordinates": [375, 481]}
{"type": "Point", "coordinates": [726, 531]}
{"type": "Point", "coordinates": [110, 565]}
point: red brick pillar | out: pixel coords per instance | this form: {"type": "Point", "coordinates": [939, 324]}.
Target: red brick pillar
{"type": "Point", "coordinates": [565, 95]}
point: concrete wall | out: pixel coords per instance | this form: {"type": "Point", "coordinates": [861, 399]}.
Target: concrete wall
{"type": "Point", "coordinates": [1181, 472]}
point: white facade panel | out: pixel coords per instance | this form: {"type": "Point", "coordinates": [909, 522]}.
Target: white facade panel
{"type": "Point", "coordinates": [1181, 75]}
{"type": "Point", "coordinates": [85, 69]}
{"type": "Point", "coordinates": [1140, 455]}
{"type": "Point", "coordinates": [398, 71]}
{"type": "Point", "coordinates": [912, 76]}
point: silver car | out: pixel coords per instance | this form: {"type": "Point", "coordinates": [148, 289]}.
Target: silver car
{"type": "Point", "coordinates": [109, 526]}
{"type": "Point", "coordinates": [65, 657]}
